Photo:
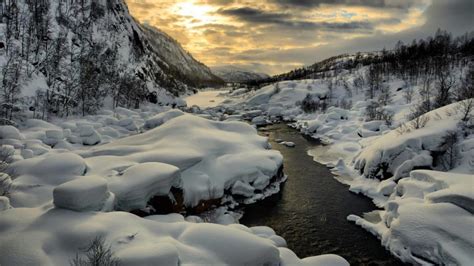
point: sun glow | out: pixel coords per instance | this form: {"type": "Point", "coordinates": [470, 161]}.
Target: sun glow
{"type": "Point", "coordinates": [194, 14]}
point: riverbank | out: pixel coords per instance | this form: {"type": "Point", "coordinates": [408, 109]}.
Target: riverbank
{"type": "Point", "coordinates": [311, 210]}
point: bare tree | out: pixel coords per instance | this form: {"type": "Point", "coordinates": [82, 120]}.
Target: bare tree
{"type": "Point", "coordinates": [98, 253]}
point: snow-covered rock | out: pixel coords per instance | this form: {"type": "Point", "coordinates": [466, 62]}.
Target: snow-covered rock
{"type": "Point", "coordinates": [288, 144]}
{"type": "Point", "coordinates": [4, 203]}
{"type": "Point", "coordinates": [211, 155]}
{"type": "Point", "coordinates": [400, 151]}
{"type": "Point", "coordinates": [10, 132]}
{"type": "Point", "coordinates": [82, 194]}
{"type": "Point", "coordinates": [89, 135]}
{"type": "Point", "coordinates": [137, 184]}
{"type": "Point", "coordinates": [161, 118]}
{"type": "Point", "coordinates": [137, 241]}
{"type": "Point", "coordinates": [428, 219]}
{"type": "Point", "coordinates": [259, 121]}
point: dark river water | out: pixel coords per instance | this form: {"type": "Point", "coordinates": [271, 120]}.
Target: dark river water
{"type": "Point", "coordinates": [310, 212]}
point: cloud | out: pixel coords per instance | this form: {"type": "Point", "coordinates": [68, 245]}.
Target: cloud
{"type": "Point", "coordinates": [278, 35]}
{"type": "Point", "coordinates": [257, 16]}
{"type": "Point", "coordinates": [370, 3]}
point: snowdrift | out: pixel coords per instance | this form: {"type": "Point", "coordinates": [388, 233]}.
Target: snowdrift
{"type": "Point", "coordinates": [428, 219]}
{"type": "Point", "coordinates": [51, 236]}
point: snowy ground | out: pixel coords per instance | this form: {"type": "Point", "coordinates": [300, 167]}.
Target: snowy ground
{"type": "Point", "coordinates": [205, 99]}
{"type": "Point", "coordinates": [426, 217]}
{"type": "Point", "coordinates": [72, 181]}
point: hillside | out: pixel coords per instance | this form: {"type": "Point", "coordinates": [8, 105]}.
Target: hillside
{"type": "Point", "coordinates": [59, 58]}
{"type": "Point", "coordinates": [180, 62]}
{"type": "Point", "coordinates": [236, 74]}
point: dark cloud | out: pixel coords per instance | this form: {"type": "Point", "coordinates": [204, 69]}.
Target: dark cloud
{"type": "Point", "coordinates": [257, 16]}
{"type": "Point", "coordinates": [368, 3]}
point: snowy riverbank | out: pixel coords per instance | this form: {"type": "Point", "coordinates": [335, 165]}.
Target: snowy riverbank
{"type": "Point", "coordinates": [377, 158]}
{"type": "Point", "coordinates": [70, 182]}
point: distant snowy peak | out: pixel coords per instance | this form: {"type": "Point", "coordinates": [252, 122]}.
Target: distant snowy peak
{"type": "Point", "coordinates": [236, 74]}
{"type": "Point", "coordinates": [184, 66]}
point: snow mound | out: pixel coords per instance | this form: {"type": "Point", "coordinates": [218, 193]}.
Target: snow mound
{"type": "Point", "coordinates": [399, 151]}
{"type": "Point", "coordinates": [161, 118]}
{"type": "Point", "coordinates": [211, 156]}
{"type": "Point", "coordinates": [39, 236]}
{"type": "Point", "coordinates": [82, 194]}
{"type": "Point", "coordinates": [141, 182]}
{"type": "Point", "coordinates": [10, 132]}
{"type": "Point", "coordinates": [425, 213]}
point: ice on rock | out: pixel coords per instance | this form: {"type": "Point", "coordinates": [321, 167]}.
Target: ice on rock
{"type": "Point", "coordinates": [82, 194]}
{"type": "Point", "coordinates": [10, 132]}
{"type": "Point", "coordinates": [139, 183]}
{"type": "Point", "coordinates": [161, 118]}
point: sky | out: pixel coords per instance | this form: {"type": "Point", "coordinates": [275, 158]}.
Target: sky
{"type": "Point", "coordinates": [275, 36]}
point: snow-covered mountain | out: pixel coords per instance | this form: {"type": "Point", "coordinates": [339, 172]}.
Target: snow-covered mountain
{"type": "Point", "coordinates": [236, 74]}
{"type": "Point", "coordinates": [63, 57]}
{"type": "Point", "coordinates": [179, 61]}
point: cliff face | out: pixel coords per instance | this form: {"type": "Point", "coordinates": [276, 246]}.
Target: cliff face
{"type": "Point", "coordinates": [76, 56]}
{"type": "Point", "coordinates": [178, 61]}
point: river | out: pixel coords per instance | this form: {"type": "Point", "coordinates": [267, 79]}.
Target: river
{"type": "Point", "coordinates": [311, 209]}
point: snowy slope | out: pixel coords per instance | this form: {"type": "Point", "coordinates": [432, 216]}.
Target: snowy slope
{"type": "Point", "coordinates": [57, 48]}
{"type": "Point", "coordinates": [180, 62]}
{"type": "Point", "coordinates": [236, 74]}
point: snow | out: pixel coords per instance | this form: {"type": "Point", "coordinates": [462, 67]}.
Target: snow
{"type": "Point", "coordinates": [10, 132]}
{"type": "Point", "coordinates": [62, 198]}
{"type": "Point", "coordinates": [82, 194]}
{"type": "Point", "coordinates": [4, 203]}
{"type": "Point", "coordinates": [404, 151]}
{"type": "Point", "coordinates": [161, 118]}
{"type": "Point", "coordinates": [136, 241]}
{"type": "Point", "coordinates": [206, 98]}
{"type": "Point", "coordinates": [288, 144]}
{"type": "Point", "coordinates": [211, 156]}
{"type": "Point", "coordinates": [424, 214]}
{"type": "Point", "coordinates": [139, 183]}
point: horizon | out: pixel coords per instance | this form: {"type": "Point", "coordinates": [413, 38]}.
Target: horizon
{"type": "Point", "coordinates": [277, 36]}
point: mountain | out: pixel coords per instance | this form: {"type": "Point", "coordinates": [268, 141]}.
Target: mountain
{"type": "Point", "coordinates": [180, 62]}
{"type": "Point", "coordinates": [72, 57]}
{"type": "Point", "coordinates": [236, 74]}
